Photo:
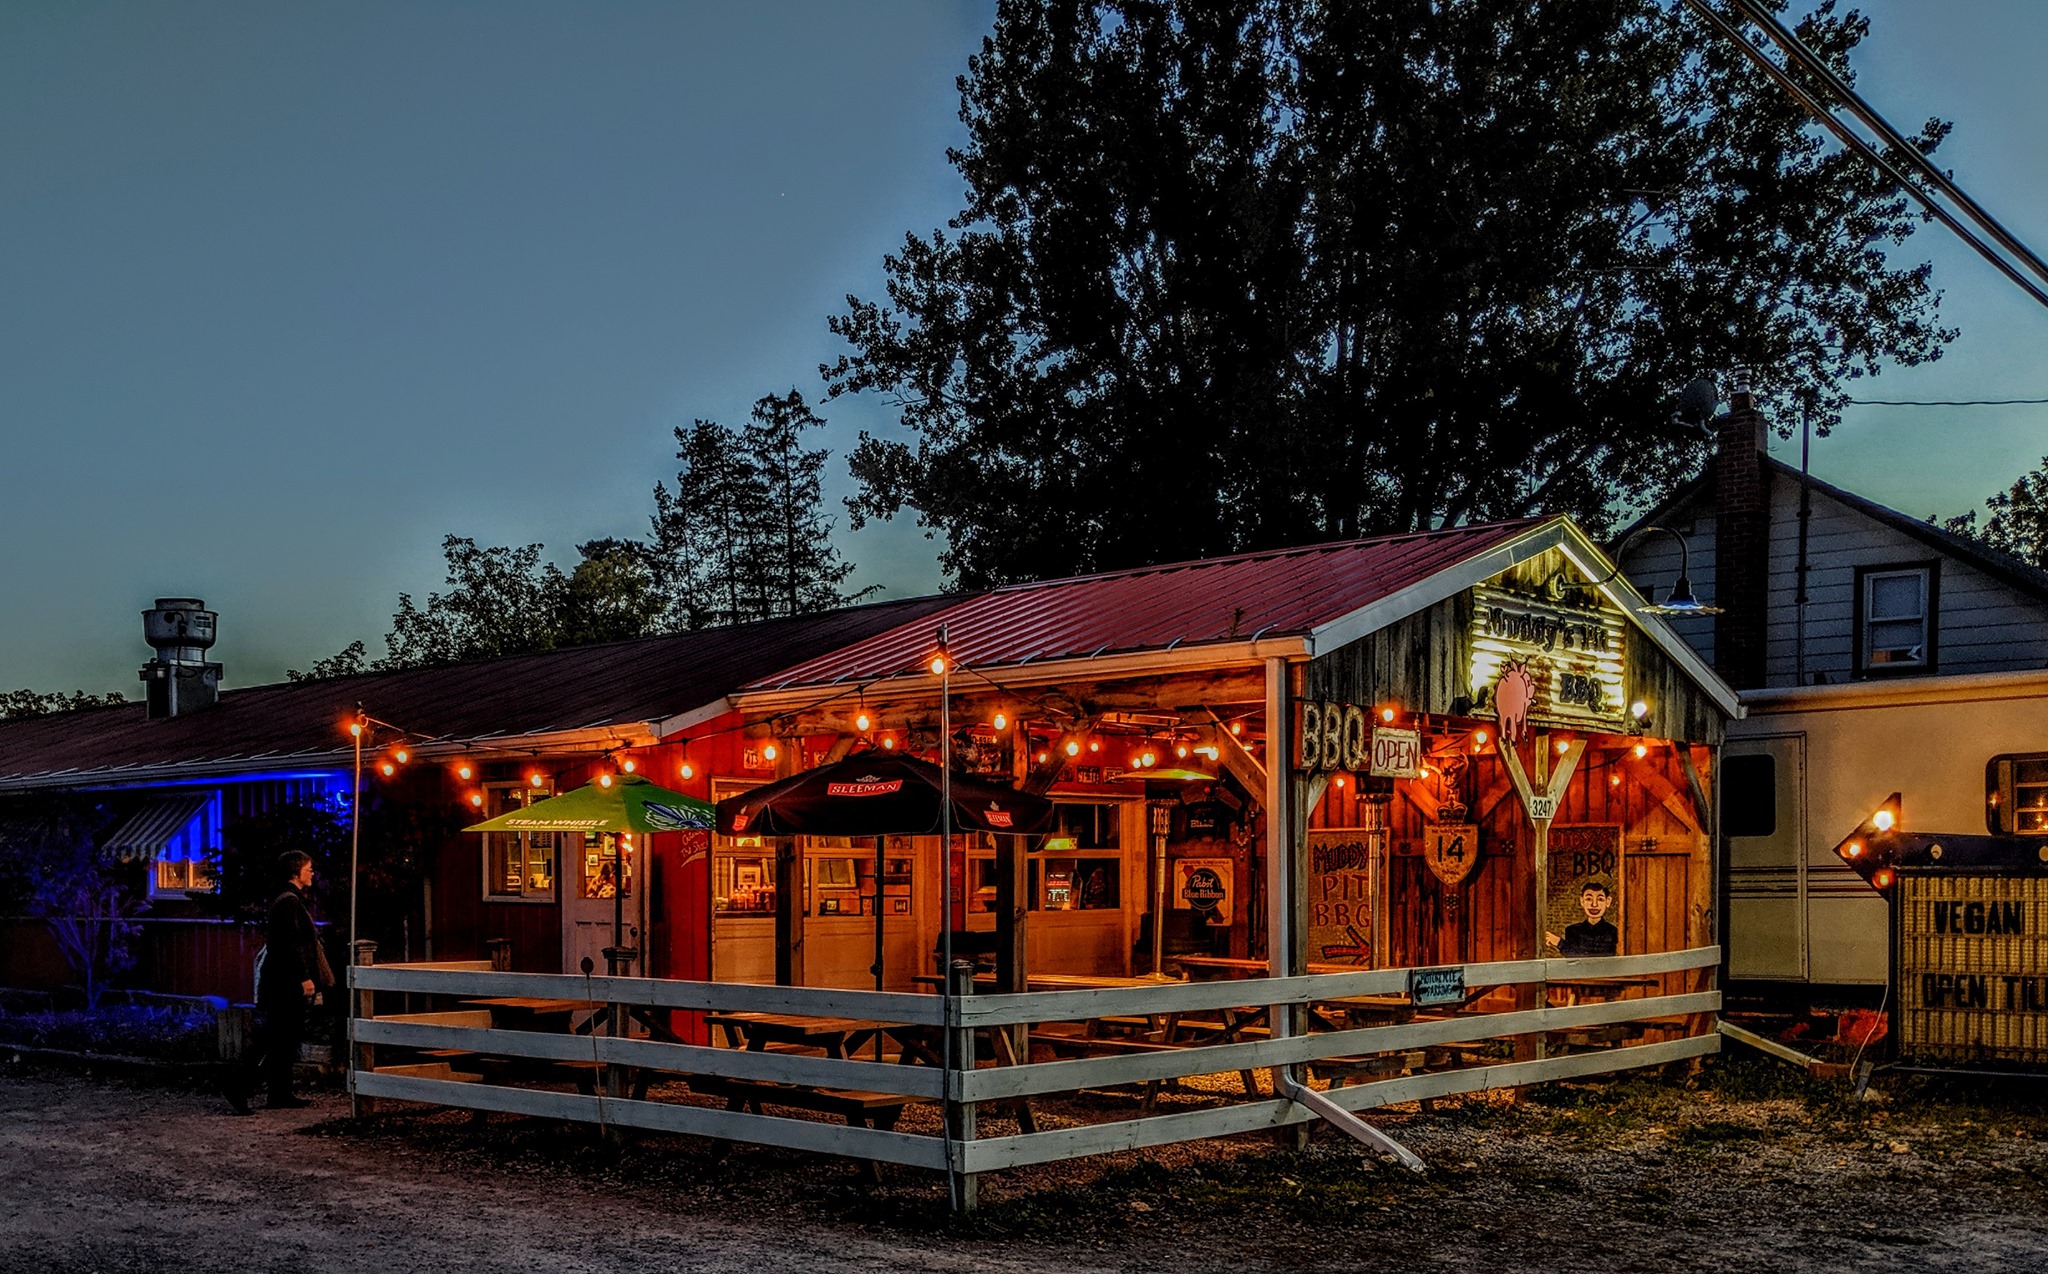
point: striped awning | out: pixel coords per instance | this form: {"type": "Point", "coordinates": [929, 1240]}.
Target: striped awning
{"type": "Point", "coordinates": [150, 828]}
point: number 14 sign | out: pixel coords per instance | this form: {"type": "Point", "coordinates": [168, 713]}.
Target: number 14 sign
{"type": "Point", "coordinates": [1452, 850]}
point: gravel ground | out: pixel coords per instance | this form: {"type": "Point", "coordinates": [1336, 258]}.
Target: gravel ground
{"type": "Point", "coordinates": [1742, 1169]}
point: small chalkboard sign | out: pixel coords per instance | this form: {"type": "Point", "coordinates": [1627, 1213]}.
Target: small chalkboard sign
{"type": "Point", "coordinates": [1429, 988]}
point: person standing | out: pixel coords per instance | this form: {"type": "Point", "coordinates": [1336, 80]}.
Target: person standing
{"type": "Point", "coordinates": [295, 973]}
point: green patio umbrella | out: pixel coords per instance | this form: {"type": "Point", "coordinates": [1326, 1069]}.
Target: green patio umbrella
{"type": "Point", "coordinates": [612, 803]}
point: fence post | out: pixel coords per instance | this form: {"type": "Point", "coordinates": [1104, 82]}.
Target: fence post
{"type": "Point", "coordinates": [362, 1004]}
{"type": "Point", "coordinates": [960, 1114]}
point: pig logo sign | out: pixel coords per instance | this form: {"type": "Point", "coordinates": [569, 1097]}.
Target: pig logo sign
{"type": "Point", "coordinates": [1514, 695]}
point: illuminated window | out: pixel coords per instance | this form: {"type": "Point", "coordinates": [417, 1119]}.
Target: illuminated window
{"type": "Point", "coordinates": [1079, 866]}
{"type": "Point", "coordinates": [518, 866]}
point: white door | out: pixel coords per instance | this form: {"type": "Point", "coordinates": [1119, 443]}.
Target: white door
{"type": "Point", "coordinates": [1763, 816]}
{"type": "Point", "coordinates": [596, 896]}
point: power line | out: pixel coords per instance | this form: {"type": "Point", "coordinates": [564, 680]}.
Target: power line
{"type": "Point", "coordinates": [1946, 402]}
{"type": "Point", "coordinates": [1796, 50]}
{"type": "Point", "coordinates": [1849, 138]}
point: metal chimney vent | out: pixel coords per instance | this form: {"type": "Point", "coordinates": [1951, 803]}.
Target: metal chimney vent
{"type": "Point", "coordinates": [179, 679]}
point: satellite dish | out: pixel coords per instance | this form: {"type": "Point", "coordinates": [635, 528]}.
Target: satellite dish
{"type": "Point", "coordinates": [1697, 402]}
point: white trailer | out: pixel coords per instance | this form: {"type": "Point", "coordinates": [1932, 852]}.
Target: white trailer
{"type": "Point", "coordinates": [1808, 764]}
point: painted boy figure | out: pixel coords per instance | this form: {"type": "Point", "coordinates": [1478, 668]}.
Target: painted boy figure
{"type": "Point", "coordinates": [1595, 935]}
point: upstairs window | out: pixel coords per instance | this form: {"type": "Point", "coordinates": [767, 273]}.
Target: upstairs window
{"type": "Point", "coordinates": [1895, 619]}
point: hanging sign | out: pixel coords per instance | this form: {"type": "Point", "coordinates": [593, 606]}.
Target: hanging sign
{"type": "Point", "coordinates": [1396, 754]}
{"type": "Point", "coordinates": [1582, 912]}
{"type": "Point", "coordinates": [1451, 850]}
{"type": "Point", "coordinates": [1333, 736]}
{"type": "Point", "coordinates": [1556, 663]}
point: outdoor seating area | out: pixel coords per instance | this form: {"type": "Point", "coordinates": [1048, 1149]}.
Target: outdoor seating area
{"type": "Point", "coordinates": [865, 1058]}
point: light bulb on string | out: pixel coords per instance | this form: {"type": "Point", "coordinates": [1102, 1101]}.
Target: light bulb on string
{"type": "Point", "coordinates": [1000, 722]}
{"type": "Point", "coordinates": [770, 752]}
{"type": "Point", "coordinates": [687, 770]}
{"type": "Point", "coordinates": [938, 665]}
{"type": "Point", "coordinates": [629, 765]}
{"type": "Point", "coordinates": [889, 742]}
{"type": "Point", "coordinates": [476, 799]}
{"type": "Point", "coordinates": [400, 755]}
{"type": "Point", "coordinates": [863, 722]}
{"type": "Point", "coordinates": [535, 780]}
{"type": "Point", "coordinates": [465, 771]}
{"type": "Point", "coordinates": [389, 769]}
{"type": "Point", "coordinates": [604, 780]}
{"type": "Point", "coordinates": [1641, 750]}
{"type": "Point", "coordinates": [1073, 747]}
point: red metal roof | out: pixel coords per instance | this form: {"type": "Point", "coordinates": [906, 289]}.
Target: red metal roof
{"type": "Point", "coordinates": [299, 724]}
{"type": "Point", "coordinates": [1284, 592]}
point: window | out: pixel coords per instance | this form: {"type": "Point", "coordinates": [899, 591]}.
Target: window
{"type": "Point", "coordinates": [1895, 618]}
{"type": "Point", "coordinates": [2017, 794]}
{"type": "Point", "coordinates": [518, 866]}
{"type": "Point", "coordinates": [1749, 795]}
{"type": "Point", "coordinates": [175, 875]}
{"type": "Point", "coordinates": [1079, 866]}
{"type": "Point", "coordinates": [601, 873]}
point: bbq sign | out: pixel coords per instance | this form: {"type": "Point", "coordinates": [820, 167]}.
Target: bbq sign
{"type": "Point", "coordinates": [1570, 655]}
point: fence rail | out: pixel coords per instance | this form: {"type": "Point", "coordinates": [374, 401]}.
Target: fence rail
{"type": "Point", "coordinates": [1684, 1015]}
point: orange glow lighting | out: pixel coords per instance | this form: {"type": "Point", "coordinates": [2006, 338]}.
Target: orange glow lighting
{"type": "Point", "coordinates": [1237, 727]}
{"type": "Point", "coordinates": [1073, 747]}
{"type": "Point", "coordinates": [863, 722]}
{"type": "Point", "coordinates": [1001, 722]}
{"type": "Point", "coordinates": [401, 756]}
{"type": "Point", "coordinates": [889, 743]}
{"type": "Point", "coordinates": [536, 780]}
{"type": "Point", "coordinates": [1386, 714]}
{"type": "Point", "coordinates": [465, 771]}
{"type": "Point", "coordinates": [938, 665]}
{"type": "Point", "coordinates": [604, 780]}
{"type": "Point", "coordinates": [1882, 820]}
{"type": "Point", "coordinates": [389, 769]}
{"type": "Point", "coordinates": [1883, 878]}
{"type": "Point", "coordinates": [688, 771]}
{"type": "Point", "coordinates": [770, 752]}
{"type": "Point", "coordinates": [476, 798]}
{"type": "Point", "coordinates": [629, 765]}
{"type": "Point", "coordinates": [1642, 750]}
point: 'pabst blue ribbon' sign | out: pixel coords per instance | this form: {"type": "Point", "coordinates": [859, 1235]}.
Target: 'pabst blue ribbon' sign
{"type": "Point", "coordinates": [864, 787]}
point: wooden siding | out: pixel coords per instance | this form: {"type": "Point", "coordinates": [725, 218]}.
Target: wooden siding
{"type": "Point", "coordinates": [1490, 916]}
{"type": "Point", "coordinates": [1982, 623]}
{"type": "Point", "coordinates": [1422, 663]}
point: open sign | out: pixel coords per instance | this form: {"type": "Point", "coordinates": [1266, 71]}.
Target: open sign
{"type": "Point", "coordinates": [1396, 754]}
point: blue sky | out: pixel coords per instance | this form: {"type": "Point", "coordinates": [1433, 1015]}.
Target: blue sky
{"type": "Point", "coordinates": [292, 291]}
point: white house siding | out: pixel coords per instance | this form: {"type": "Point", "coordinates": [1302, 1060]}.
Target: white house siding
{"type": "Point", "coordinates": [1654, 563]}
{"type": "Point", "coordinates": [1981, 623]}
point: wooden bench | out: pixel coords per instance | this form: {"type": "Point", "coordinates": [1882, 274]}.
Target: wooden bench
{"type": "Point", "coordinates": [859, 1109]}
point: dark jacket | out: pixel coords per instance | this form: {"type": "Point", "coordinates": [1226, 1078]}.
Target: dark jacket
{"type": "Point", "coordinates": [294, 956]}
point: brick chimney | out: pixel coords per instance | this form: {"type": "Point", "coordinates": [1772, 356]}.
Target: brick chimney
{"type": "Point", "coordinates": [1742, 541]}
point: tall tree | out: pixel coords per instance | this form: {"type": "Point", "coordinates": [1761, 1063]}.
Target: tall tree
{"type": "Point", "coordinates": [743, 536]}
{"type": "Point", "coordinates": [500, 601]}
{"type": "Point", "coordinates": [1232, 276]}
{"type": "Point", "coordinates": [2019, 519]}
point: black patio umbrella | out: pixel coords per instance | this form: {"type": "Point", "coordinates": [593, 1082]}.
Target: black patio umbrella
{"type": "Point", "coordinates": [880, 794]}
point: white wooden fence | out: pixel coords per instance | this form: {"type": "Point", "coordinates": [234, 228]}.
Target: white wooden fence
{"type": "Point", "coordinates": [1685, 1017]}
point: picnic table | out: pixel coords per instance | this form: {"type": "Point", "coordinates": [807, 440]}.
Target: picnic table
{"type": "Point", "coordinates": [1601, 990]}
{"type": "Point", "coordinates": [530, 1012]}
{"type": "Point", "coordinates": [835, 1036]}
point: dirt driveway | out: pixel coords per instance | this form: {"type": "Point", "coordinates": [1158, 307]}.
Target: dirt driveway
{"type": "Point", "coordinates": [1735, 1173]}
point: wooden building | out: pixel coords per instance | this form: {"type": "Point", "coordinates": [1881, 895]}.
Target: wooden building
{"type": "Point", "coordinates": [1381, 753]}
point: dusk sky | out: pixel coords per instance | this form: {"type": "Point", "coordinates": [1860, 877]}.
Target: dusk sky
{"type": "Point", "coordinates": [287, 293]}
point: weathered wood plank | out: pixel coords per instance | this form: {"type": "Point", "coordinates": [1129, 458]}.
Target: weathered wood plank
{"type": "Point", "coordinates": [727, 1125]}
{"type": "Point", "coordinates": [1158, 1063]}
{"type": "Point", "coordinates": [995, 1153]}
{"type": "Point", "coordinates": [689, 1059]}
{"type": "Point", "coordinates": [885, 1006]}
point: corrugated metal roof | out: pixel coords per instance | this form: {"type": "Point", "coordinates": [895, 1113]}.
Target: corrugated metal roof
{"type": "Point", "coordinates": [149, 829]}
{"type": "Point", "coordinates": [1280, 593]}
{"type": "Point", "coordinates": [298, 724]}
